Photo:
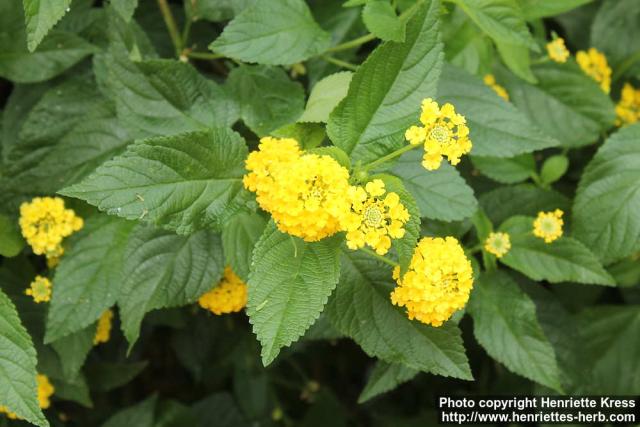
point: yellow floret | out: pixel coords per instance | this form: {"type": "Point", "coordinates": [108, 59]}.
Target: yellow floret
{"type": "Point", "coordinates": [490, 81]}
{"type": "Point", "coordinates": [557, 50]}
{"type": "Point", "coordinates": [437, 283]}
{"type": "Point", "coordinates": [595, 65]}
{"type": "Point", "coordinates": [40, 289]}
{"type": "Point", "coordinates": [45, 222]}
{"type": "Point", "coordinates": [8, 413]}
{"type": "Point", "coordinates": [497, 244]}
{"type": "Point", "coordinates": [548, 225]}
{"type": "Point", "coordinates": [304, 193]}
{"type": "Point", "coordinates": [45, 391]}
{"type": "Point", "coordinates": [628, 108]}
{"type": "Point", "coordinates": [444, 134]}
{"type": "Point", "coordinates": [228, 296]}
{"type": "Point", "coordinates": [103, 331]}
{"type": "Point", "coordinates": [374, 220]}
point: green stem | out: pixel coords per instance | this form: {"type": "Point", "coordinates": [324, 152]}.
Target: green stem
{"type": "Point", "coordinates": [170, 22]}
{"type": "Point", "coordinates": [340, 63]}
{"type": "Point", "coordinates": [204, 55]}
{"type": "Point", "coordinates": [351, 44]}
{"type": "Point", "coordinates": [477, 248]}
{"type": "Point", "coordinates": [626, 64]}
{"type": "Point", "coordinates": [379, 257]}
{"type": "Point", "coordinates": [186, 32]}
{"type": "Point", "coordinates": [389, 156]}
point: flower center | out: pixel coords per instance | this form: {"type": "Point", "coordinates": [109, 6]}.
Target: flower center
{"type": "Point", "coordinates": [372, 216]}
{"type": "Point", "coordinates": [40, 289]}
{"type": "Point", "coordinates": [549, 226]}
{"type": "Point", "coordinates": [439, 134]}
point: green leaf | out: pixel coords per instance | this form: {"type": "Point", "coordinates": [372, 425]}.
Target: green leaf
{"type": "Point", "coordinates": [605, 210]}
{"type": "Point", "coordinates": [407, 244]}
{"type": "Point", "coordinates": [18, 391]}
{"type": "Point", "coordinates": [215, 10]}
{"type": "Point", "coordinates": [381, 20]}
{"type": "Point", "coordinates": [140, 415]}
{"type": "Point", "coordinates": [506, 171]}
{"type": "Point", "coordinates": [523, 199]}
{"type": "Point", "coordinates": [40, 16]}
{"type": "Point", "coordinates": [502, 20]}
{"type": "Point", "coordinates": [289, 284]}
{"type": "Point", "coordinates": [611, 335]}
{"type": "Point", "coordinates": [497, 129]}
{"type": "Point", "coordinates": [567, 103]}
{"type": "Point", "coordinates": [518, 59]}
{"type": "Point", "coordinates": [183, 183]}
{"type": "Point", "coordinates": [385, 377]}
{"type": "Point", "coordinates": [308, 135]}
{"type": "Point", "coordinates": [73, 350]}
{"type": "Point", "coordinates": [441, 194]}
{"type": "Point", "coordinates": [267, 97]}
{"type": "Point", "coordinates": [125, 8]}
{"type": "Point", "coordinates": [11, 241]}
{"type": "Point", "coordinates": [615, 30]}
{"type": "Point", "coordinates": [59, 51]}
{"type": "Point", "coordinates": [534, 9]}
{"type": "Point", "coordinates": [386, 91]}
{"type": "Point", "coordinates": [506, 325]}
{"type": "Point", "coordinates": [239, 236]}
{"type": "Point", "coordinates": [165, 97]}
{"type": "Point", "coordinates": [162, 269]}
{"type": "Point", "coordinates": [107, 376]}
{"type": "Point", "coordinates": [361, 309]}
{"type": "Point", "coordinates": [88, 279]}
{"type": "Point", "coordinates": [325, 95]}
{"type": "Point", "coordinates": [554, 168]}
{"type": "Point", "coordinates": [290, 34]}
{"type": "Point", "coordinates": [75, 390]}
{"type": "Point", "coordinates": [563, 260]}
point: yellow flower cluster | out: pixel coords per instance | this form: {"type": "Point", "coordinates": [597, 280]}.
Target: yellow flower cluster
{"type": "Point", "coordinates": [40, 289]}
{"type": "Point", "coordinates": [304, 193]}
{"type": "Point", "coordinates": [45, 222]}
{"type": "Point", "coordinates": [497, 244]}
{"type": "Point", "coordinates": [557, 50]}
{"type": "Point", "coordinates": [372, 219]}
{"type": "Point", "coordinates": [595, 65]}
{"type": "Point", "coordinates": [548, 225]}
{"type": "Point", "coordinates": [444, 134]}
{"type": "Point", "coordinates": [628, 108]}
{"type": "Point", "coordinates": [45, 391]}
{"type": "Point", "coordinates": [490, 81]}
{"type": "Point", "coordinates": [229, 296]}
{"type": "Point", "coordinates": [437, 283]}
{"type": "Point", "coordinates": [103, 331]}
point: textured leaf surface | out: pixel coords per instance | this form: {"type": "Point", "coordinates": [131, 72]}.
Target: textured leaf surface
{"type": "Point", "coordinates": [325, 95]}
{"type": "Point", "coordinates": [612, 344]}
{"type": "Point", "coordinates": [289, 284]}
{"type": "Point", "coordinates": [506, 171]}
{"type": "Point", "coordinates": [607, 202]}
{"type": "Point", "coordinates": [615, 30]}
{"type": "Point", "coordinates": [497, 129]}
{"type": "Point", "coordinates": [89, 276]}
{"type": "Point", "coordinates": [441, 194]}
{"type": "Point", "coordinates": [18, 389]}
{"type": "Point", "coordinates": [40, 17]}
{"type": "Point", "coordinates": [266, 96]}
{"type": "Point", "coordinates": [125, 8]}
{"type": "Point", "coordinates": [183, 182]}
{"type": "Point", "coordinates": [385, 377]}
{"type": "Point", "coordinates": [290, 34]}
{"type": "Point", "coordinates": [502, 20]}
{"type": "Point", "coordinates": [505, 324]}
{"type": "Point", "coordinates": [361, 309]}
{"type": "Point", "coordinates": [381, 20]}
{"type": "Point", "coordinates": [566, 103]}
{"type": "Point", "coordinates": [165, 97]}
{"type": "Point", "coordinates": [73, 350]}
{"type": "Point", "coordinates": [163, 269]}
{"type": "Point", "coordinates": [533, 9]}
{"type": "Point", "coordinates": [11, 241]}
{"type": "Point", "coordinates": [386, 91]}
{"type": "Point", "coordinates": [564, 260]}
{"type": "Point", "coordinates": [239, 237]}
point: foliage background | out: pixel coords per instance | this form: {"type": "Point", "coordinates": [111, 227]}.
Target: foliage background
{"type": "Point", "coordinates": [80, 81]}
